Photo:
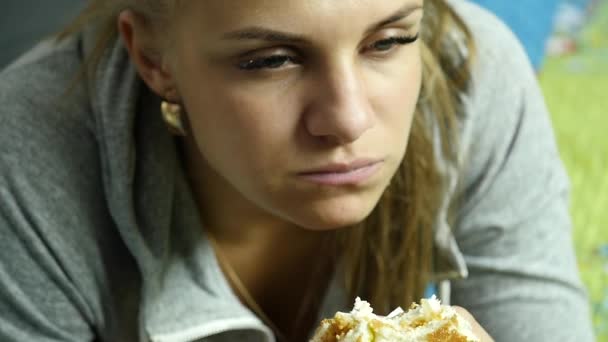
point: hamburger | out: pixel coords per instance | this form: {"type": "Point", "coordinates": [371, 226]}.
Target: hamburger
{"type": "Point", "coordinates": [428, 321]}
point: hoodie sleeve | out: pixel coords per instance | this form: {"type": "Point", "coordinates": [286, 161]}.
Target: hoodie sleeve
{"type": "Point", "coordinates": [39, 298]}
{"type": "Point", "coordinates": [513, 227]}
{"type": "Point", "coordinates": [48, 273]}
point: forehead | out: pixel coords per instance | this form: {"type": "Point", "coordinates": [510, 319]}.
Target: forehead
{"type": "Point", "coordinates": [314, 16]}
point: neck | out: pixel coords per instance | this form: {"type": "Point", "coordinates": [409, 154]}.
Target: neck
{"type": "Point", "coordinates": [247, 234]}
{"type": "Point", "coordinates": [273, 259]}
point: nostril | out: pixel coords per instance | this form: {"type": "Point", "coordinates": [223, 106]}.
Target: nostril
{"type": "Point", "coordinates": [343, 127]}
{"type": "Point", "coordinates": [340, 111]}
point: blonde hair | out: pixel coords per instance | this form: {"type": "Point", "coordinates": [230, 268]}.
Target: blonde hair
{"type": "Point", "coordinates": [387, 258]}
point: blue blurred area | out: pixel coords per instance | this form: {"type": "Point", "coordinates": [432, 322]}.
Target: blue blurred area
{"type": "Point", "coordinates": [25, 22]}
{"type": "Point", "coordinates": [531, 20]}
{"type": "Point", "coordinates": [431, 290]}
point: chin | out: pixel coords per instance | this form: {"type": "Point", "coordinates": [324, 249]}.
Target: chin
{"type": "Point", "coordinates": [332, 218]}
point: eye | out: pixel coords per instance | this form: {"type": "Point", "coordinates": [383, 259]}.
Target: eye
{"type": "Point", "coordinates": [271, 62]}
{"type": "Point", "coordinates": [388, 44]}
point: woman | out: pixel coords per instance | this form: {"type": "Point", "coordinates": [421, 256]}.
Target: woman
{"type": "Point", "coordinates": [284, 189]}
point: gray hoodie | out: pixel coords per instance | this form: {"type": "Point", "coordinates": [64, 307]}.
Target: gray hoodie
{"type": "Point", "coordinates": [100, 237]}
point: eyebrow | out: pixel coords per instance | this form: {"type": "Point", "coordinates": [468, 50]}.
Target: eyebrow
{"type": "Point", "coordinates": [269, 35]}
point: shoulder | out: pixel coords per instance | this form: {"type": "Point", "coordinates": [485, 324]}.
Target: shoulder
{"type": "Point", "coordinates": [41, 123]}
{"type": "Point", "coordinates": [38, 83]}
{"type": "Point", "coordinates": [504, 91]}
{"type": "Point", "coordinates": [503, 85]}
{"type": "Point", "coordinates": [46, 137]}
{"type": "Point", "coordinates": [491, 35]}
{"type": "Point", "coordinates": [49, 168]}
{"type": "Point", "coordinates": [49, 160]}
{"type": "Point", "coordinates": [53, 211]}
{"type": "Point", "coordinates": [498, 55]}
{"type": "Point", "coordinates": [507, 139]}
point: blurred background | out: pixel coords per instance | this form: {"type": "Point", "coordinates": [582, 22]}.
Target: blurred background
{"type": "Point", "coordinates": [567, 41]}
{"type": "Point", "coordinates": [574, 78]}
{"type": "Point", "coordinates": [24, 22]}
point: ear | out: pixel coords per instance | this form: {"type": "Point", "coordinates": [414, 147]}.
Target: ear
{"type": "Point", "coordinates": [146, 54]}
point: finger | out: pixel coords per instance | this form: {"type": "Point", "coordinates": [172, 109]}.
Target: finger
{"type": "Point", "coordinates": [478, 330]}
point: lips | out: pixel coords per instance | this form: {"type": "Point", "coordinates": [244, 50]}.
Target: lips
{"type": "Point", "coordinates": [352, 173]}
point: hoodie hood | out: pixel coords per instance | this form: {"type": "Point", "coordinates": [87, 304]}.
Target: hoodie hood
{"type": "Point", "coordinates": [184, 295]}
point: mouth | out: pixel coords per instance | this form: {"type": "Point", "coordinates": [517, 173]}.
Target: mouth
{"type": "Point", "coordinates": [338, 174]}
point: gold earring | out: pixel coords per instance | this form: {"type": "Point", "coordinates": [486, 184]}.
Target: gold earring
{"type": "Point", "coordinates": [172, 114]}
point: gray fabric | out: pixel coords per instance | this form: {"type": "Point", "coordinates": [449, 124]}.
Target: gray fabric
{"type": "Point", "coordinates": [514, 229]}
{"type": "Point", "coordinates": [100, 236]}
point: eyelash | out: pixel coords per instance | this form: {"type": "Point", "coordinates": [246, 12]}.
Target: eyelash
{"type": "Point", "coordinates": [277, 61]}
{"type": "Point", "coordinates": [401, 40]}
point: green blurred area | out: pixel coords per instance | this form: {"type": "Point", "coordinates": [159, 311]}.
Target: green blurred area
{"type": "Point", "coordinates": [576, 90]}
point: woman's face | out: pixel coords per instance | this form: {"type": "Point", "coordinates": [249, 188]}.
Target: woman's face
{"type": "Point", "coordinates": [300, 110]}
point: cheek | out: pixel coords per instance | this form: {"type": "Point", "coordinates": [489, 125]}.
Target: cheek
{"type": "Point", "coordinates": [407, 83]}
{"type": "Point", "coordinates": [238, 131]}
{"type": "Point", "coordinates": [395, 97]}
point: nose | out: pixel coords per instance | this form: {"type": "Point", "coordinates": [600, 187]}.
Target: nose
{"type": "Point", "coordinates": [340, 111]}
